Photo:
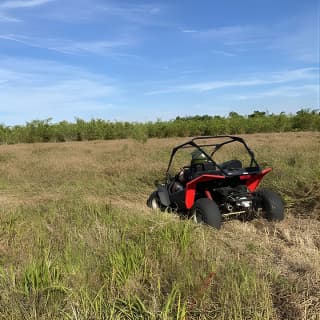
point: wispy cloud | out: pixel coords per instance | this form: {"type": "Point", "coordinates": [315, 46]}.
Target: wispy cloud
{"type": "Point", "coordinates": [231, 35]}
{"type": "Point", "coordinates": [131, 12]}
{"type": "Point", "coordinates": [7, 8]}
{"type": "Point", "coordinates": [297, 38]}
{"type": "Point", "coordinates": [282, 91]}
{"type": "Point", "coordinates": [124, 12]}
{"type": "Point", "coordinates": [4, 18]}
{"type": "Point", "coordinates": [101, 47]}
{"type": "Point", "coordinates": [226, 32]}
{"type": "Point", "coordinates": [19, 39]}
{"type": "Point", "coordinates": [266, 79]}
{"type": "Point", "coordinates": [95, 47]}
{"type": "Point", "coordinates": [189, 31]}
{"type": "Point", "coordinates": [263, 79]}
{"type": "Point", "coordinates": [223, 53]}
{"type": "Point", "coordinates": [23, 4]}
{"type": "Point", "coordinates": [128, 11]}
{"type": "Point", "coordinates": [137, 14]}
{"type": "Point", "coordinates": [44, 71]}
{"type": "Point", "coordinates": [31, 89]}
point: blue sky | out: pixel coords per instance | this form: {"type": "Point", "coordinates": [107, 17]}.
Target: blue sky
{"type": "Point", "coordinates": [145, 60]}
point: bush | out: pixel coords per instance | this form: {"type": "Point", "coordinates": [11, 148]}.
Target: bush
{"type": "Point", "coordinates": [98, 129]}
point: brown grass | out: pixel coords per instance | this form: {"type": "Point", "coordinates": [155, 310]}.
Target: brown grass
{"type": "Point", "coordinates": [54, 193]}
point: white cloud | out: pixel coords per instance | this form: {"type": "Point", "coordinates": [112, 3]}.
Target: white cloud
{"type": "Point", "coordinates": [136, 14]}
{"type": "Point", "coordinates": [302, 74]}
{"type": "Point", "coordinates": [226, 32]}
{"type": "Point", "coordinates": [223, 53]}
{"type": "Point", "coordinates": [5, 18]}
{"type": "Point", "coordinates": [6, 6]}
{"type": "Point", "coordinates": [189, 31]}
{"type": "Point", "coordinates": [15, 4]}
{"type": "Point", "coordinates": [232, 35]}
{"type": "Point", "coordinates": [266, 79]}
{"type": "Point", "coordinates": [294, 74]}
{"type": "Point", "coordinates": [208, 86]}
{"type": "Point", "coordinates": [22, 40]}
{"type": "Point", "coordinates": [95, 47]}
{"type": "Point", "coordinates": [101, 47]}
{"type": "Point", "coordinates": [131, 12]}
{"type": "Point", "coordinates": [282, 91]}
{"type": "Point", "coordinates": [33, 89]}
{"type": "Point", "coordinates": [116, 12]}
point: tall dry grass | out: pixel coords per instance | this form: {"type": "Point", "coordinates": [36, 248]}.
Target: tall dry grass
{"type": "Point", "coordinates": [77, 241]}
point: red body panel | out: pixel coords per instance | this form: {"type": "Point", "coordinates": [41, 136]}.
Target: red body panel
{"type": "Point", "coordinates": [252, 182]}
{"type": "Point", "coordinates": [192, 185]}
{"type": "Point", "coordinates": [208, 194]}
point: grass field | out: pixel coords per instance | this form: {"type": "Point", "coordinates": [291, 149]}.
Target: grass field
{"type": "Point", "coordinates": [78, 242]}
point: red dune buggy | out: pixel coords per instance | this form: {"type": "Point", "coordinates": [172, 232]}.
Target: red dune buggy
{"type": "Point", "coordinates": [209, 191]}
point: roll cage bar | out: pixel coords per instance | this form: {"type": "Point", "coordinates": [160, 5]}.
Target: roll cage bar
{"type": "Point", "coordinates": [216, 147]}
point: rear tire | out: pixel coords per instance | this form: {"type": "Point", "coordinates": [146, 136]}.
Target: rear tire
{"type": "Point", "coordinates": [206, 211]}
{"type": "Point", "coordinates": [272, 204]}
{"type": "Point", "coordinates": [153, 201]}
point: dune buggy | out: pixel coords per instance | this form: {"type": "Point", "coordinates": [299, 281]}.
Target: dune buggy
{"type": "Point", "coordinates": [211, 190]}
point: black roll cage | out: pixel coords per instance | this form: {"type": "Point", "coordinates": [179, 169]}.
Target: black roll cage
{"type": "Point", "coordinates": [191, 143]}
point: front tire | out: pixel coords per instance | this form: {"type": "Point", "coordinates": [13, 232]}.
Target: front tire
{"type": "Point", "coordinates": [272, 204]}
{"type": "Point", "coordinates": [153, 201]}
{"type": "Point", "coordinates": [207, 211]}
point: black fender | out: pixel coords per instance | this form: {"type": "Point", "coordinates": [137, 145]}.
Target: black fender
{"type": "Point", "coordinates": [178, 198]}
{"type": "Point", "coordinates": [164, 195]}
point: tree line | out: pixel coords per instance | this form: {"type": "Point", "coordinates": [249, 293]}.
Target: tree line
{"type": "Point", "coordinates": [98, 129]}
